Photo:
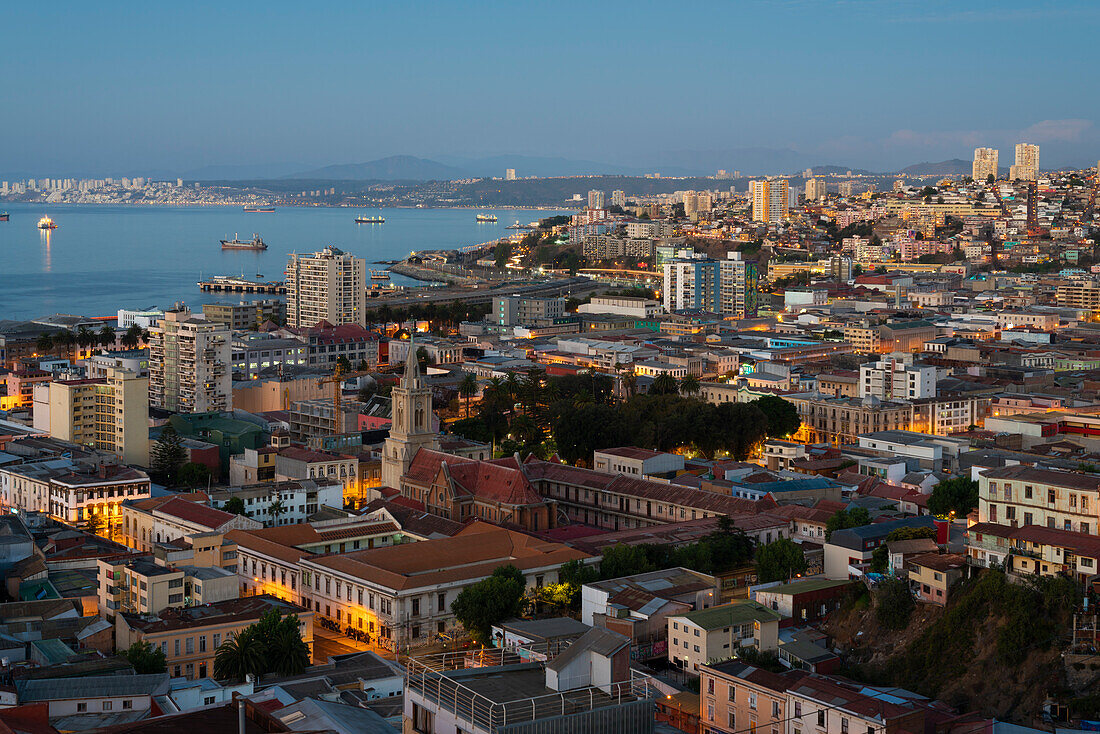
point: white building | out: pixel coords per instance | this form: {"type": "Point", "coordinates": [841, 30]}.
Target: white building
{"type": "Point", "coordinates": [891, 379]}
{"type": "Point", "coordinates": [329, 285]}
{"type": "Point", "coordinates": [985, 163]}
{"type": "Point", "coordinates": [636, 462]}
{"type": "Point", "coordinates": [640, 308]}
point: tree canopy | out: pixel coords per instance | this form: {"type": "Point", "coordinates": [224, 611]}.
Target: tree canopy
{"type": "Point", "coordinates": [958, 495]}
{"type": "Point", "coordinates": [851, 518]}
{"type": "Point", "coordinates": [778, 560]}
{"type": "Point", "coordinates": [274, 644]}
{"type": "Point", "coordinates": [145, 658]}
{"type": "Point", "coordinates": [167, 456]}
{"type": "Point", "coordinates": [490, 601]}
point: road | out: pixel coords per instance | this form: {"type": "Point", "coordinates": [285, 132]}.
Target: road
{"type": "Point", "coordinates": [327, 643]}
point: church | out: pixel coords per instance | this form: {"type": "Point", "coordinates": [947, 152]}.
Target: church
{"type": "Point", "coordinates": [449, 485]}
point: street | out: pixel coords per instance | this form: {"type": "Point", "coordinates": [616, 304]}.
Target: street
{"type": "Point", "coordinates": [327, 643]}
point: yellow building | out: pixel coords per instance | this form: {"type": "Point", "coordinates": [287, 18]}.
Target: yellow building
{"type": "Point", "coordinates": [140, 586]}
{"type": "Point", "coordinates": [110, 414]}
{"type": "Point", "coordinates": [190, 636]}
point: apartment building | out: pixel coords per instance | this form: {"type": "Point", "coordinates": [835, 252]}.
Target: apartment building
{"type": "Point", "coordinates": [890, 378]}
{"type": "Point", "coordinates": [523, 310]}
{"type": "Point", "coordinates": [245, 315]}
{"type": "Point", "coordinates": [403, 595]}
{"type": "Point", "coordinates": [110, 414]}
{"type": "Point", "coordinates": [329, 285]}
{"type": "Point", "coordinates": [1034, 549]}
{"type": "Point", "coordinates": [190, 364]}
{"type": "Point", "coordinates": [255, 353]}
{"type": "Point", "coordinates": [1081, 295]}
{"type": "Point", "coordinates": [1023, 495]}
{"type": "Point", "coordinates": [289, 502]}
{"type": "Point", "coordinates": [717, 633]}
{"type": "Point", "coordinates": [816, 190]}
{"type": "Point", "coordinates": [189, 636]}
{"type": "Point", "coordinates": [327, 343]}
{"type": "Point", "coordinates": [158, 520]}
{"type": "Point", "coordinates": [770, 200]}
{"type": "Point", "coordinates": [904, 336]}
{"type": "Point", "coordinates": [822, 704]}
{"type": "Point", "coordinates": [1027, 163]}
{"type": "Point", "coordinates": [985, 164]}
{"type": "Point", "coordinates": [728, 287]}
{"type": "Point", "coordinates": [141, 586]}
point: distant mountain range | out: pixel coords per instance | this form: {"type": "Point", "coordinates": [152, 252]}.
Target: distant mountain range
{"type": "Point", "coordinates": [953, 167]}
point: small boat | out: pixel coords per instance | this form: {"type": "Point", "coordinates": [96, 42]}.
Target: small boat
{"type": "Point", "coordinates": [46, 223]}
{"type": "Point", "coordinates": [486, 217]}
{"type": "Point", "coordinates": [376, 219]}
{"type": "Point", "coordinates": [260, 209]}
{"type": "Point", "coordinates": [256, 243]}
{"type": "Point", "coordinates": [3, 216]}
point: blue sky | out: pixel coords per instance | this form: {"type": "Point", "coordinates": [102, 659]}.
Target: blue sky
{"type": "Point", "coordinates": [175, 86]}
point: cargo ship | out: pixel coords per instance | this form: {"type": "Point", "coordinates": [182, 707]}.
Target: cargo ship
{"type": "Point", "coordinates": [256, 243]}
{"type": "Point", "coordinates": [486, 217]}
{"type": "Point", "coordinates": [376, 219]}
{"type": "Point", "coordinates": [46, 223]}
{"type": "Point", "coordinates": [264, 209]}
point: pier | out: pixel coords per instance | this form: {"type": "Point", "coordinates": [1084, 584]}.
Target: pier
{"type": "Point", "coordinates": [233, 284]}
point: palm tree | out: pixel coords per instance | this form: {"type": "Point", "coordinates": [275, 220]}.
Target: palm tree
{"type": "Point", "coordinates": [277, 510]}
{"type": "Point", "coordinates": [85, 338]}
{"type": "Point", "coordinates": [511, 385]}
{"type": "Point", "coordinates": [287, 653]}
{"type": "Point", "coordinates": [467, 388]}
{"type": "Point", "coordinates": [663, 384]}
{"type": "Point", "coordinates": [64, 339]}
{"type": "Point", "coordinates": [132, 337]}
{"type": "Point", "coordinates": [45, 343]}
{"type": "Point", "coordinates": [106, 336]}
{"type": "Point", "coordinates": [239, 656]}
{"type": "Point", "coordinates": [689, 385]}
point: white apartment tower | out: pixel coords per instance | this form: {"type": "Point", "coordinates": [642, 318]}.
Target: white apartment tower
{"type": "Point", "coordinates": [190, 364]}
{"type": "Point", "coordinates": [509, 174]}
{"type": "Point", "coordinates": [892, 379]}
{"type": "Point", "coordinates": [769, 200]}
{"type": "Point", "coordinates": [411, 428]}
{"type": "Point", "coordinates": [618, 198]}
{"type": "Point", "coordinates": [329, 285]}
{"type": "Point", "coordinates": [1027, 163]}
{"type": "Point", "coordinates": [596, 199]}
{"type": "Point", "coordinates": [985, 164]}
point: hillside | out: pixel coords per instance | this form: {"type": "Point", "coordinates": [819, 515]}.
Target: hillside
{"type": "Point", "coordinates": [996, 648]}
{"type": "Point", "coordinates": [394, 168]}
{"type": "Point", "coordinates": [952, 167]}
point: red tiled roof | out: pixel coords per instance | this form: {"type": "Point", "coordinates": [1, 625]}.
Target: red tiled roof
{"type": "Point", "coordinates": [496, 481]}
{"type": "Point", "coordinates": [196, 513]}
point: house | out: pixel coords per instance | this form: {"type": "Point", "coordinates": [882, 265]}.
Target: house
{"type": "Point", "coordinates": [717, 633]}
{"type": "Point", "coordinates": [1034, 549]}
{"type": "Point", "coordinates": [848, 552]}
{"type": "Point", "coordinates": [802, 602]}
{"type": "Point", "coordinates": [637, 462]}
{"type": "Point", "coordinates": [805, 655]}
{"type": "Point", "coordinates": [77, 703]}
{"type": "Point", "coordinates": [932, 574]}
{"type": "Point", "coordinates": [157, 520]}
{"type": "Point", "coordinates": [736, 697]}
{"type": "Point", "coordinates": [898, 551]}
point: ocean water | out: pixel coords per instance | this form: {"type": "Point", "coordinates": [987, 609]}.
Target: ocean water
{"type": "Point", "coordinates": [103, 258]}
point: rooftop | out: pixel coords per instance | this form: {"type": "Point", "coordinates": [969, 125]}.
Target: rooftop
{"type": "Point", "coordinates": [734, 613]}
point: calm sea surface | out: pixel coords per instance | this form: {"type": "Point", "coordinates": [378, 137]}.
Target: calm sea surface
{"type": "Point", "coordinates": [102, 258]}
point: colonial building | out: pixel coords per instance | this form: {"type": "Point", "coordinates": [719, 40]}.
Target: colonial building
{"type": "Point", "coordinates": [411, 427]}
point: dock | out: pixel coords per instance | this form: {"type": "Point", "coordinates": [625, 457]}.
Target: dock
{"type": "Point", "coordinates": [234, 284]}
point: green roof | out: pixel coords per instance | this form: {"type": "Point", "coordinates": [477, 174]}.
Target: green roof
{"type": "Point", "coordinates": [40, 589]}
{"type": "Point", "coordinates": [726, 615]}
{"type": "Point", "coordinates": [804, 586]}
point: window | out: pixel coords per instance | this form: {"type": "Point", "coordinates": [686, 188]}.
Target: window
{"type": "Point", "coordinates": [843, 725]}
{"type": "Point", "coordinates": [202, 643]}
{"type": "Point", "coordinates": [441, 602]}
{"type": "Point", "coordinates": [81, 708]}
{"type": "Point", "coordinates": [190, 645]}
{"type": "Point", "coordinates": [821, 717]}
{"type": "Point", "coordinates": [710, 688]}
{"type": "Point", "coordinates": [207, 700]}
{"type": "Point", "coordinates": [696, 648]}
{"type": "Point", "coordinates": [732, 694]}
{"type": "Point", "coordinates": [108, 705]}
{"type": "Point", "coordinates": [775, 709]}
{"type": "Point", "coordinates": [752, 701]}
{"type": "Point", "coordinates": [127, 704]}
{"type": "Point", "coordinates": [798, 709]}
{"type": "Point", "coordinates": [416, 607]}
{"type": "Point", "coordinates": [177, 650]}
{"type": "Point", "coordinates": [1050, 496]}
{"type": "Point", "coordinates": [217, 640]}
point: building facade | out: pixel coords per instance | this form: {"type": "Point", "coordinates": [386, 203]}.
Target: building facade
{"type": "Point", "coordinates": [110, 414]}
{"type": "Point", "coordinates": [190, 364]}
{"type": "Point", "coordinates": [329, 285]}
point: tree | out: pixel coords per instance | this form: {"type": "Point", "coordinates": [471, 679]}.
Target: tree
{"type": "Point", "coordinates": [277, 509]}
{"type": "Point", "coordinates": [132, 337]}
{"type": "Point", "coordinates": [85, 338]}
{"type": "Point", "coordinates": [990, 178]}
{"type": "Point", "coordinates": [490, 601]}
{"type": "Point", "coordinates": [580, 430]}
{"type": "Point", "coordinates": [343, 365]}
{"type": "Point", "coordinates": [106, 336]}
{"type": "Point", "coordinates": [145, 658]}
{"type": "Point", "coordinates": [45, 343]}
{"type": "Point", "coordinates": [778, 560]}
{"type": "Point", "coordinates": [781, 415]}
{"type": "Point", "coordinates": [894, 603]}
{"type": "Point", "coordinates": [63, 340]}
{"type": "Point", "coordinates": [663, 384]}
{"type": "Point", "coordinates": [367, 392]}
{"type": "Point", "coordinates": [285, 653]}
{"type": "Point", "coordinates": [235, 505]}
{"type": "Point", "coordinates": [689, 385]}
{"type": "Point", "coordinates": [501, 253]}
{"type": "Point", "coordinates": [362, 366]}
{"type": "Point", "coordinates": [851, 518]}
{"type": "Point", "coordinates": [958, 496]}
{"type": "Point", "coordinates": [467, 388]}
{"type": "Point", "coordinates": [193, 474]}
{"type": "Point", "coordinates": [95, 523]}
{"type": "Point", "coordinates": [241, 655]}
{"type": "Point", "coordinates": [167, 456]}
{"type": "Point", "coordinates": [423, 358]}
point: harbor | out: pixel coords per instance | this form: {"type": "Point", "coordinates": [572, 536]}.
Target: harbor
{"type": "Point", "coordinates": [235, 284]}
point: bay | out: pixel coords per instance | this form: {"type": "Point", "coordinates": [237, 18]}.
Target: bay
{"type": "Point", "coordinates": [105, 257]}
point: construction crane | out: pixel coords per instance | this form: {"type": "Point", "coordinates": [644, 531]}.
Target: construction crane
{"type": "Point", "coordinates": [336, 379]}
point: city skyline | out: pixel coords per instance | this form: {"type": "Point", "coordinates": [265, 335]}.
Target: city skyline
{"type": "Point", "coordinates": [290, 89]}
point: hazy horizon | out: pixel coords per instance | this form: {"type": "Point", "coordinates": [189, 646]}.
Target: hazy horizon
{"type": "Point", "coordinates": [861, 84]}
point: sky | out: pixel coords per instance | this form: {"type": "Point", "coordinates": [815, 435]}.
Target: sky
{"type": "Point", "coordinates": [106, 88]}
